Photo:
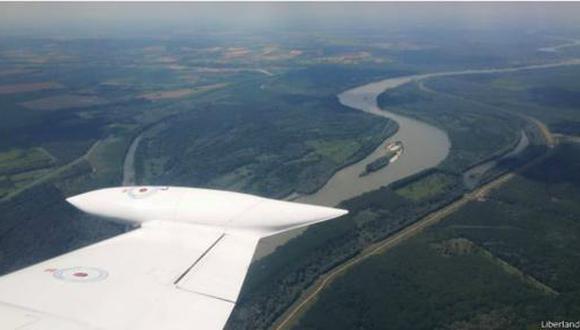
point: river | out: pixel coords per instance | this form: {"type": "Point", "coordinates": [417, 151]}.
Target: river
{"type": "Point", "coordinates": [425, 146]}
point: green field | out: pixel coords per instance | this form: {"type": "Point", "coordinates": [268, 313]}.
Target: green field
{"type": "Point", "coordinates": [338, 151]}
{"type": "Point", "coordinates": [550, 95]}
{"type": "Point", "coordinates": [18, 167]}
{"type": "Point", "coordinates": [425, 187]}
{"type": "Point", "coordinates": [23, 160]}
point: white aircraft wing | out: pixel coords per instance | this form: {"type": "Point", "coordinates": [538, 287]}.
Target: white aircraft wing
{"type": "Point", "coordinates": [183, 268]}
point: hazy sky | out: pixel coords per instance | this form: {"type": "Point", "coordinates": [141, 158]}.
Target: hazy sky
{"type": "Point", "coordinates": [104, 18]}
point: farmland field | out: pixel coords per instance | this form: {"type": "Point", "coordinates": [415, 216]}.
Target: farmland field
{"type": "Point", "coordinates": [424, 187]}
{"type": "Point", "coordinates": [18, 160]}
{"type": "Point", "coordinates": [59, 102]}
{"type": "Point", "coordinates": [23, 88]}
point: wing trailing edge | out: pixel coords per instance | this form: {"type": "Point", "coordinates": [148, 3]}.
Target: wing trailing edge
{"type": "Point", "coordinates": [183, 268]}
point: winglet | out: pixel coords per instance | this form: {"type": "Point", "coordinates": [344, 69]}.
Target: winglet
{"type": "Point", "coordinates": [272, 217]}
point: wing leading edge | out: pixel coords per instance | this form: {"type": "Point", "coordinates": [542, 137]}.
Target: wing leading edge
{"type": "Point", "coordinates": [182, 269]}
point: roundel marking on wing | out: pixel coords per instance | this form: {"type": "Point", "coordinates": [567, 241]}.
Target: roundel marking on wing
{"type": "Point", "coordinates": [142, 192]}
{"type": "Point", "coordinates": [80, 274]}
